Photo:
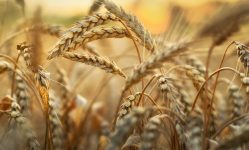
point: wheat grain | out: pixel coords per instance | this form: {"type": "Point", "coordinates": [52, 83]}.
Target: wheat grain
{"type": "Point", "coordinates": [171, 94]}
{"type": "Point", "coordinates": [196, 63]}
{"type": "Point", "coordinates": [26, 51]}
{"type": "Point", "coordinates": [126, 106]}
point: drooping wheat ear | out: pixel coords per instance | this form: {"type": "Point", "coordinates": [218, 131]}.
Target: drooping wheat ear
{"type": "Point", "coordinates": [196, 63]}
{"type": "Point", "coordinates": [184, 98]}
{"type": "Point", "coordinates": [29, 54]}
{"type": "Point", "coordinates": [197, 80]}
{"type": "Point", "coordinates": [181, 133]}
{"type": "Point", "coordinates": [194, 127]}
{"type": "Point", "coordinates": [26, 51]}
{"type": "Point", "coordinates": [22, 95]}
{"type": "Point", "coordinates": [155, 61]}
{"type": "Point", "coordinates": [79, 29]}
{"type": "Point", "coordinates": [243, 54]}
{"type": "Point", "coordinates": [124, 127]}
{"type": "Point", "coordinates": [42, 77]}
{"type": "Point", "coordinates": [168, 89]}
{"type": "Point", "coordinates": [56, 126]}
{"type": "Point", "coordinates": [194, 75]}
{"type": "Point", "coordinates": [95, 6]}
{"type": "Point", "coordinates": [100, 62]}
{"type": "Point", "coordinates": [97, 34]}
{"type": "Point", "coordinates": [25, 127]}
{"type": "Point", "coordinates": [225, 23]}
{"type": "Point", "coordinates": [42, 83]}
{"type": "Point", "coordinates": [132, 22]}
{"type": "Point", "coordinates": [238, 102]}
{"type": "Point", "coordinates": [126, 106]}
{"type": "Point", "coordinates": [151, 133]}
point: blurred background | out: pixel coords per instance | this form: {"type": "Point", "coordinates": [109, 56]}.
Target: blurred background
{"type": "Point", "coordinates": [154, 14]}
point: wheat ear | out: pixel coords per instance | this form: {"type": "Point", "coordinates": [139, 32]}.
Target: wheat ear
{"type": "Point", "coordinates": [25, 126]}
{"type": "Point", "coordinates": [79, 29]}
{"type": "Point", "coordinates": [97, 34]}
{"type": "Point", "coordinates": [132, 22]}
{"type": "Point", "coordinates": [156, 61]}
{"type": "Point", "coordinates": [100, 62]}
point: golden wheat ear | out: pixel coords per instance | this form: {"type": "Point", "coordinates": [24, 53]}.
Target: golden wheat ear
{"type": "Point", "coordinates": [154, 62]}
{"type": "Point", "coordinates": [99, 62]}
{"type": "Point", "coordinates": [78, 30]}
{"type": "Point", "coordinates": [133, 23]}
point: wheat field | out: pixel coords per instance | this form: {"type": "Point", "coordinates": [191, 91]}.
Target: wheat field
{"type": "Point", "coordinates": [124, 75]}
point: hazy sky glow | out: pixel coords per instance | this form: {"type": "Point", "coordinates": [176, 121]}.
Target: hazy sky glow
{"type": "Point", "coordinates": [145, 12]}
{"type": "Point", "coordinates": [66, 7]}
{"type": "Point", "coordinates": [70, 7]}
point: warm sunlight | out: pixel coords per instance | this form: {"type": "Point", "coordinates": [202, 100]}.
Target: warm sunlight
{"type": "Point", "coordinates": [124, 75]}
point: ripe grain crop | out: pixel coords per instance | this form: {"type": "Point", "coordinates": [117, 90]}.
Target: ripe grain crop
{"type": "Point", "coordinates": [107, 81]}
